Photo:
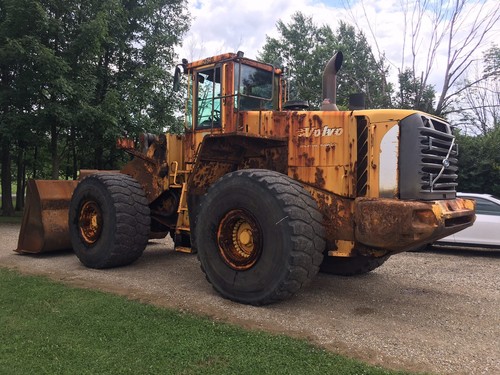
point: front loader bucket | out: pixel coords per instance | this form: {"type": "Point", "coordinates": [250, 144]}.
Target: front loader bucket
{"type": "Point", "coordinates": [45, 220]}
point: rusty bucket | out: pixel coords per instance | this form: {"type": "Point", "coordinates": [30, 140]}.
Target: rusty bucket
{"type": "Point", "coordinates": [45, 221]}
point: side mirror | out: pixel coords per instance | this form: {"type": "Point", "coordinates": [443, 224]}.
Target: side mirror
{"type": "Point", "coordinates": [177, 78]}
{"type": "Point", "coordinates": [178, 72]}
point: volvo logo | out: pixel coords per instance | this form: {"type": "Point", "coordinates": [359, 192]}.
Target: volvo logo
{"type": "Point", "coordinates": [446, 163]}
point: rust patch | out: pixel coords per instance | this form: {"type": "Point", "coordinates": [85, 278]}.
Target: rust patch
{"type": "Point", "coordinates": [125, 143]}
{"type": "Point", "coordinates": [300, 118]}
{"type": "Point", "coordinates": [208, 173]}
{"type": "Point", "coordinates": [309, 161]}
{"type": "Point", "coordinates": [338, 217]}
{"type": "Point", "coordinates": [220, 155]}
{"type": "Point", "coordinates": [319, 179]}
{"type": "Point", "coordinates": [295, 174]}
{"type": "Point", "coordinates": [392, 224]}
{"type": "Point", "coordinates": [318, 120]}
{"type": "Point", "coordinates": [398, 225]}
{"type": "Point", "coordinates": [146, 174]}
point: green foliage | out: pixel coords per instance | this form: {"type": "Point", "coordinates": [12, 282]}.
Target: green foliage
{"type": "Point", "coordinates": [75, 75]}
{"type": "Point", "coordinates": [412, 95]}
{"type": "Point", "coordinates": [361, 71]}
{"type": "Point", "coordinates": [48, 328]}
{"type": "Point", "coordinates": [304, 49]}
{"type": "Point", "coordinates": [479, 163]}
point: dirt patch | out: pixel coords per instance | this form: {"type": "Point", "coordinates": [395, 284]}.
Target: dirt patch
{"type": "Point", "coordinates": [432, 311]}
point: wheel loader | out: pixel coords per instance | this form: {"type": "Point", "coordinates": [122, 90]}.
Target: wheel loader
{"type": "Point", "coordinates": [264, 190]}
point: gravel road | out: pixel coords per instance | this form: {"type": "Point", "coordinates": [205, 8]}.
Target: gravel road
{"type": "Point", "coordinates": [436, 311]}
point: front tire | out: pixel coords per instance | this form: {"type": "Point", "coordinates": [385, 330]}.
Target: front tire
{"type": "Point", "coordinates": [109, 220]}
{"type": "Point", "coordinates": [259, 236]}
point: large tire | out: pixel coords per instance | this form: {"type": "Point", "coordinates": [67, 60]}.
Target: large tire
{"type": "Point", "coordinates": [109, 220]}
{"type": "Point", "coordinates": [259, 236]}
{"type": "Point", "coordinates": [351, 266]}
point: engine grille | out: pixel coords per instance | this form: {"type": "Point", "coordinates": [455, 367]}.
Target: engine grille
{"type": "Point", "coordinates": [428, 159]}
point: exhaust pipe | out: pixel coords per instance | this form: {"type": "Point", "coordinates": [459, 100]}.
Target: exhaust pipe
{"type": "Point", "coordinates": [330, 82]}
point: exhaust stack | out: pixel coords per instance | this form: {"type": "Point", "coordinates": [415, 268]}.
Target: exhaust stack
{"type": "Point", "coordinates": [330, 82]}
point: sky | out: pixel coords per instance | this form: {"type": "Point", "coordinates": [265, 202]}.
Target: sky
{"type": "Point", "coordinates": [220, 26]}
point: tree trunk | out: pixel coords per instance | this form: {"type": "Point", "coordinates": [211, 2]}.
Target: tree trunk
{"type": "Point", "coordinates": [73, 154]}
{"type": "Point", "coordinates": [20, 178]}
{"type": "Point", "coordinates": [53, 151]}
{"type": "Point", "coordinates": [35, 162]}
{"type": "Point", "coordinates": [7, 206]}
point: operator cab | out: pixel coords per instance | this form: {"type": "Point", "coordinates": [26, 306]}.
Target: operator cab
{"type": "Point", "coordinates": [221, 87]}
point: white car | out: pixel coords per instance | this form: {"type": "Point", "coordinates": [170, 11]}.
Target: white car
{"type": "Point", "coordinates": [485, 232]}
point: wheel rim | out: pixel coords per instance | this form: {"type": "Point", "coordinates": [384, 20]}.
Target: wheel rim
{"type": "Point", "coordinates": [239, 240]}
{"type": "Point", "coordinates": [90, 222]}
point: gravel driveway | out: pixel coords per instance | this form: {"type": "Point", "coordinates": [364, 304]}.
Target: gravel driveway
{"type": "Point", "coordinates": [436, 311]}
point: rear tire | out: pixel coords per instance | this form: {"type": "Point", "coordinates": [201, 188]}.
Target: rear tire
{"type": "Point", "coordinates": [351, 266]}
{"type": "Point", "coordinates": [259, 236]}
{"type": "Point", "coordinates": [109, 220]}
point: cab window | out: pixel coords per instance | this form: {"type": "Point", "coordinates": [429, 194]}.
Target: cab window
{"type": "Point", "coordinates": [208, 92]}
{"type": "Point", "coordinates": [254, 88]}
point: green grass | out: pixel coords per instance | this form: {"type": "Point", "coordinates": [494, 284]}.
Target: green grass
{"type": "Point", "coordinates": [50, 328]}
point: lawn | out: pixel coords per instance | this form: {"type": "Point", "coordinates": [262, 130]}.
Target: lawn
{"type": "Point", "coordinates": [50, 328]}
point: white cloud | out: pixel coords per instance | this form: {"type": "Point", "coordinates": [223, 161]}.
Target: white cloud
{"type": "Point", "coordinates": [227, 26]}
{"type": "Point", "coordinates": [221, 26]}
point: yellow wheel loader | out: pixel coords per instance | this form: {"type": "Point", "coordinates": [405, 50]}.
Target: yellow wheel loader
{"type": "Point", "coordinates": [265, 191]}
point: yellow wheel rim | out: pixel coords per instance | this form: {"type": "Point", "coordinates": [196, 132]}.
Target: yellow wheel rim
{"type": "Point", "coordinates": [90, 222]}
{"type": "Point", "coordinates": [239, 240]}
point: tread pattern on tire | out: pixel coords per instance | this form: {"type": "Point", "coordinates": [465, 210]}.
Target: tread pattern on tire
{"type": "Point", "coordinates": [132, 219]}
{"type": "Point", "coordinates": [305, 224]}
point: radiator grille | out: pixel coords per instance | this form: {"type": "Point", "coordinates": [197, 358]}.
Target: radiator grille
{"type": "Point", "coordinates": [428, 159]}
{"type": "Point", "coordinates": [439, 163]}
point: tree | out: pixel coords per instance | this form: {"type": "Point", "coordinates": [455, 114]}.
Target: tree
{"type": "Point", "coordinates": [304, 49]}
{"type": "Point", "coordinates": [410, 94]}
{"type": "Point", "coordinates": [75, 75]}
{"type": "Point", "coordinates": [479, 162]}
{"type": "Point", "coordinates": [479, 103]}
{"type": "Point", "coordinates": [457, 27]}
{"type": "Point", "coordinates": [22, 61]}
{"type": "Point", "coordinates": [361, 71]}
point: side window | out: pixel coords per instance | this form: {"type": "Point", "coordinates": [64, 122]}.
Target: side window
{"type": "Point", "coordinates": [254, 88]}
{"type": "Point", "coordinates": [189, 103]}
{"type": "Point", "coordinates": [208, 92]}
